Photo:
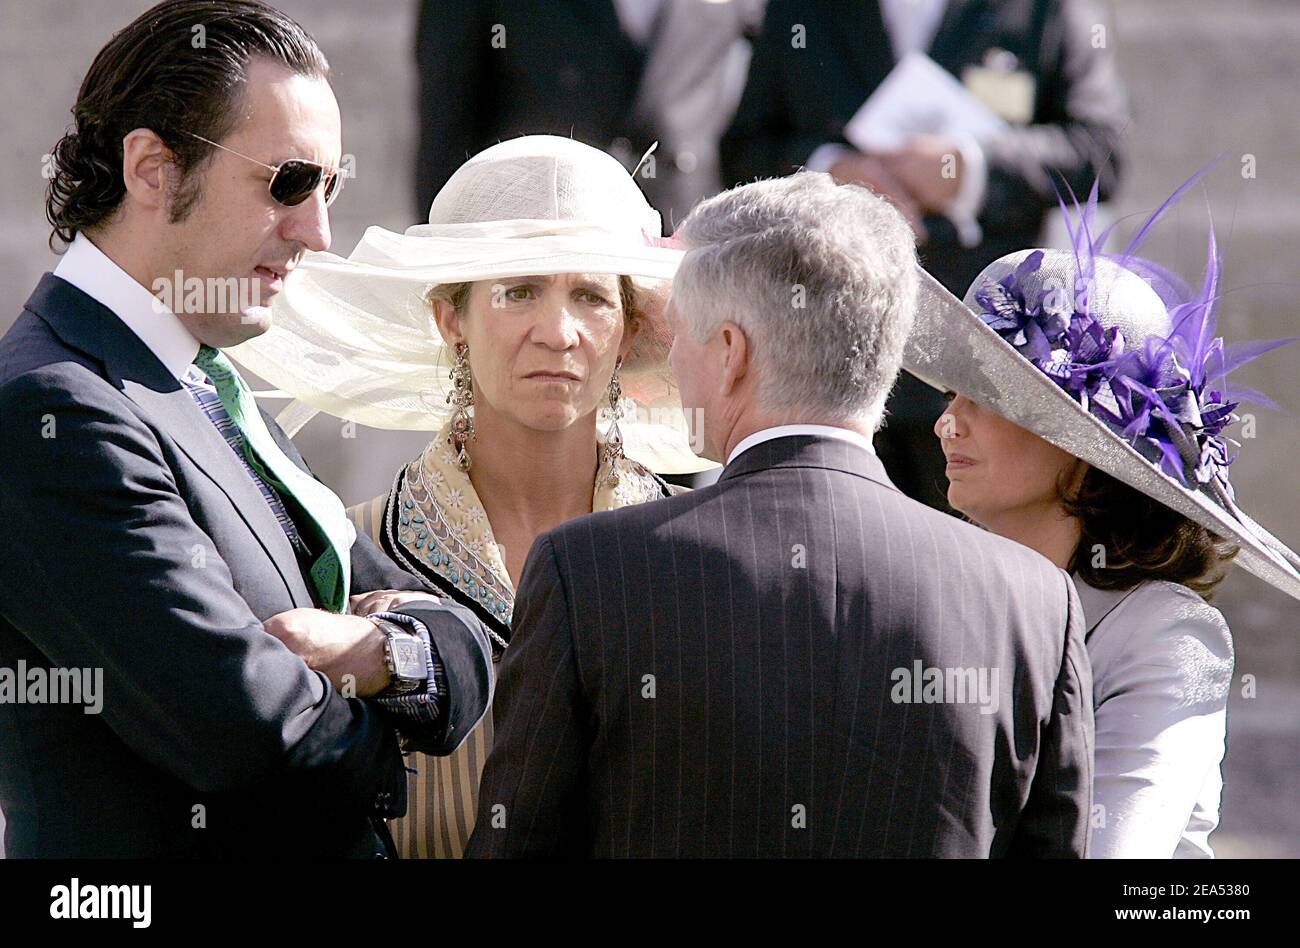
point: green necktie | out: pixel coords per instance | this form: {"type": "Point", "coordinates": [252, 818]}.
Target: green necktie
{"type": "Point", "coordinates": [315, 509]}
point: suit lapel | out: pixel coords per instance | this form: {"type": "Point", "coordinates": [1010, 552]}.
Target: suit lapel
{"type": "Point", "coordinates": [859, 28]}
{"type": "Point", "coordinates": [176, 413]}
{"type": "Point", "coordinates": [964, 24]}
{"type": "Point", "coordinates": [85, 324]}
{"type": "Point", "coordinates": [605, 25]}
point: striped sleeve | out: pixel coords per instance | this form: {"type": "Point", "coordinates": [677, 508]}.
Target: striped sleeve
{"type": "Point", "coordinates": [368, 518]}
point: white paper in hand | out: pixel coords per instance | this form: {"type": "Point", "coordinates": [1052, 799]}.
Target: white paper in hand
{"type": "Point", "coordinates": [919, 97]}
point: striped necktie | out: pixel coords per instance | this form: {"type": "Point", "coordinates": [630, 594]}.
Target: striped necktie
{"type": "Point", "coordinates": [315, 509]}
{"type": "Point", "coordinates": [206, 397]}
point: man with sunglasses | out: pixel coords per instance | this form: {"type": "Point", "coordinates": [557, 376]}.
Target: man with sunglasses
{"type": "Point", "coordinates": [158, 534]}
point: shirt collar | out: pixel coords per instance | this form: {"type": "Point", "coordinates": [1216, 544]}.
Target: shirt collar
{"type": "Point", "coordinates": [90, 270]}
{"type": "Point", "coordinates": [787, 431]}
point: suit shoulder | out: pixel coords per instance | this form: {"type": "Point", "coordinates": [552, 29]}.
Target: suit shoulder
{"type": "Point", "coordinates": [30, 345]}
{"type": "Point", "coordinates": [994, 555]}
{"type": "Point", "coordinates": [33, 357]}
{"type": "Point", "coordinates": [69, 382]}
{"type": "Point", "coordinates": [66, 412]}
{"type": "Point", "coordinates": [632, 517]}
{"type": "Point", "coordinates": [996, 571]}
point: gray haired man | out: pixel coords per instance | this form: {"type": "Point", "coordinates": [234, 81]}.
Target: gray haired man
{"type": "Point", "coordinates": [797, 660]}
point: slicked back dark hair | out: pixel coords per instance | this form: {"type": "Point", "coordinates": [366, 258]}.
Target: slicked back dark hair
{"type": "Point", "coordinates": [179, 67]}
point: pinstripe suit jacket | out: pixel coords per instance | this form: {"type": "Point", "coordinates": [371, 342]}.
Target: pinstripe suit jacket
{"type": "Point", "coordinates": [749, 670]}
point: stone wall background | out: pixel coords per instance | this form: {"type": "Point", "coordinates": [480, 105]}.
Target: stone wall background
{"type": "Point", "coordinates": [1205, 78]}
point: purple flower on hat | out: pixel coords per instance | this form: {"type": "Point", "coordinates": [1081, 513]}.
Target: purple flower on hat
{"type": "Point", "coordinates": [1034, 327]}
{"type": "Point", "coordinates": [1066, 343]}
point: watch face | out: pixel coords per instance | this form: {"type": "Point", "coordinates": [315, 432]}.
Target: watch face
{"type": "Point", "coordinates": [407, 658]}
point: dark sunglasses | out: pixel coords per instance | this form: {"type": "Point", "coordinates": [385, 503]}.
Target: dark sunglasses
{"type": "Point", "coordinates": [292, 181]}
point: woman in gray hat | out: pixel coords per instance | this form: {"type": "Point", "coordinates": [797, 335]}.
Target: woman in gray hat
{"type": "Point", "coordinates": [1087, 405]}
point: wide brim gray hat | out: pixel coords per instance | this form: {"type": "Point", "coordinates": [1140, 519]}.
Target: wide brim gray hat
{"type": "Point", "coordinates": [954, 348]}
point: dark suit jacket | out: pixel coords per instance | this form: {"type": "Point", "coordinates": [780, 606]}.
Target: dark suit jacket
{"type": "Point", "coordinates": [474, 94]}
{"type": "Point", "coordinates": [132, 541]}
{"type": "Point", "coordinates": [567, 68]}
{"type": "Point", "coordinates": [717, 674]}
{"type": "Point", "coordinates": [800, 98]}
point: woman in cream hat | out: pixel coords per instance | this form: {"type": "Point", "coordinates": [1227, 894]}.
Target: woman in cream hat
{"type": "Point", "coordinates": [1087, 408]}
{"type": "Point", "coordinates": [524, 324]}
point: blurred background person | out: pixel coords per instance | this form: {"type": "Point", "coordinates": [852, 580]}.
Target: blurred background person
{"type": "Point", "coordinates": [615, 74]}
{"type": "Point", "coordinates": [1046, 67]}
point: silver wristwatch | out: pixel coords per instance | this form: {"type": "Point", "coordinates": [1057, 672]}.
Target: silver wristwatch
{"type": "Point", "coordinates": [404, 656]}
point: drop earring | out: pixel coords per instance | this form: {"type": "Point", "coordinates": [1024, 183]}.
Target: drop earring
{"type": "Point", "coordinates": [461, 396]}
{"type": "Point", "coordinates": [613, 446]}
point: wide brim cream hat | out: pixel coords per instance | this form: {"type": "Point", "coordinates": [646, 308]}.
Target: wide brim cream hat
{"type": "Point", "coordinates": [1112, 359]}
{"type": "Point", "coordinates": [355, 337]}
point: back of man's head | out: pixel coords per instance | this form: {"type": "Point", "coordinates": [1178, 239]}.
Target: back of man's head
{"type": "Point", "coordinates": [821, 278]}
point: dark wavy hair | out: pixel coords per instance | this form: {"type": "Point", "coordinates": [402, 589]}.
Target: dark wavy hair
{"type": "Point", "coordinates": [1141, 539]}
{"type": "Point", "coordinates": [179, 67]}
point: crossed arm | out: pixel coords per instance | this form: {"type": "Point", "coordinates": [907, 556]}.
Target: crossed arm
{"type": "Point", "coordinates": [458, 652]}
{"type": "Point", "coordinates": [99, 568]}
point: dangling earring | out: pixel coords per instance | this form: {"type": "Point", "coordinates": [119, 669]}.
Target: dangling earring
{"type": "Point", "coordinates": [613, 447]}
{"type": "Point", "coordinates": [462, 396]}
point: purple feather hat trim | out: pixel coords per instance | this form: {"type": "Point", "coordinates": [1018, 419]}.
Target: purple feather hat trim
{"type": "Point", "coordinates": [1167, 397]}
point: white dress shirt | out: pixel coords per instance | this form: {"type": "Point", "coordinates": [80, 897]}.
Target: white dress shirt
{"type": "Point", "coordinates": [912, 25]}
{"type": "Point", "coordinates": [1162, 663]}
{"type": "Point", "coordinates": [786, 431]}
{"type": "Point", "coordinates": [90, 270]}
